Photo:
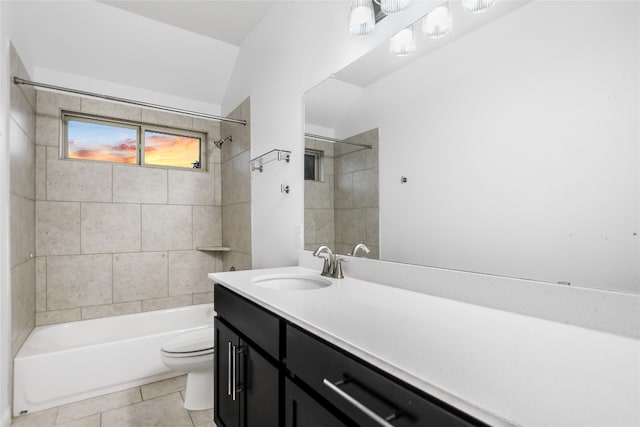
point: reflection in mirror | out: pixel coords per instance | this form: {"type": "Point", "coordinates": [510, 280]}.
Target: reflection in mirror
{"type": "Point", "coordinates": [518, 134]}
{"type": "Point", "coordinates": [341, 193]}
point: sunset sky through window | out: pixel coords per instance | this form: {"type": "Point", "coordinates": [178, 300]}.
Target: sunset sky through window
{"type": "Point", "coordinates": [113, 143]}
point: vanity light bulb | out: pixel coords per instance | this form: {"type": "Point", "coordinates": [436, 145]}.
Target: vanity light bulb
{"type": "Point", "coordinates": [476, 6]}
{"type": "Point", "coordinates": [403, 43]}
{"type": "Point", "coordinates": [389, 7]}
{"type": "Point", "coordinates": [438, 22]}
{"type": "Point", "coordinates": [361, 19]}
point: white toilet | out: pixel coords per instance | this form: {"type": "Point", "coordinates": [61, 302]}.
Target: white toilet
{"type": "Point", "coordinates": [192, 352]}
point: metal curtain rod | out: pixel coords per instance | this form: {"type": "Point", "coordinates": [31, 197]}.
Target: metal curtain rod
{"type": "Point", "coordinates": [326, 138]}
{"type": "Point", "coordinates": [20, 81]}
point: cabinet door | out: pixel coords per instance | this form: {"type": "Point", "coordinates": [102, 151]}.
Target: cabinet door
{"type": "Point", "coordinates": [226, 401]}
{"type": "Point", "coordinates": [301, 410]}
{"type": "Point", "coordinates": [259, 387]}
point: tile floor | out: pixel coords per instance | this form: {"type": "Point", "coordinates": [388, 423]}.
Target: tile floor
{"type": "Point", "coordinates": [156, 404]}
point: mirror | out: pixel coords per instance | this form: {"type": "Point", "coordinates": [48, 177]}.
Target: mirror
{"type": "Point", "coordinates": [509, 147]}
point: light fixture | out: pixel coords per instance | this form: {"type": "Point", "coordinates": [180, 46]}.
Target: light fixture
{"type": "Point", "coordinates": [476, 6]}
{"type": "Point", "coordinates": [404, 42]}
{"type": "Point", "coordinates": [389, 7]}
{"type": "Point", "coordinates": [438, 22]}
{"type": "Point", "coordinates": [362, 19]}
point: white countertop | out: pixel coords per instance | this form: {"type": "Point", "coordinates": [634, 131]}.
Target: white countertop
{"type": "Point", "coordinates": [501, 367]}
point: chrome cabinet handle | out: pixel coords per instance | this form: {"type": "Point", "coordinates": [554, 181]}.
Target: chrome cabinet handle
{"type": "Point", "coordinates": [233, 386]}
{"type": "Point", "coordinates": [350, 399]}
{"type": "Point", "coordinates": [229, 370]}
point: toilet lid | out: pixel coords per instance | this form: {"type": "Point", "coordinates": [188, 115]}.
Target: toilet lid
{"type": "Point", "coordinates": [195, 341]}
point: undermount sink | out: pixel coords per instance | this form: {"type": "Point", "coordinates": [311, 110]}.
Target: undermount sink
{"type": "Point", "coordinates": [292, 282]}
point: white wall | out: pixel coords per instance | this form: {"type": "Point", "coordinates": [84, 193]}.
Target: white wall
{"type": "Point", "coordinates": [520, 142]}
{"type": "Point", "coordinates": [296, 45]}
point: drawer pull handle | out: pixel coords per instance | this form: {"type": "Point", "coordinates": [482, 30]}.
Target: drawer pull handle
{"type": "Point", "coordinates": [233, 387]}
{"type": "Point", "coordinates": [229, 370]}
{"type": "Point", "coordinates": [375, 417]}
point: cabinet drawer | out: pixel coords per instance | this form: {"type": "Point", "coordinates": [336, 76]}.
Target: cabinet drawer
{"type": "Point", "coordinates": [254, 322]}
{"type": "Point", "coordinates": [341, 379]}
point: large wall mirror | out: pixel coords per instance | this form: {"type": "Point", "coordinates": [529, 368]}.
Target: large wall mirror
{"type": "Point", "coordinates": [510, 146]}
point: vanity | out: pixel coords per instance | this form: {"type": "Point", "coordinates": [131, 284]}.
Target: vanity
{"type": "Point", "coordinates": [296, 349]}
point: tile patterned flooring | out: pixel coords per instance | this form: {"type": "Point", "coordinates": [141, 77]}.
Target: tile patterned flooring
{"type": "Point", "coordinates": [157, 404]}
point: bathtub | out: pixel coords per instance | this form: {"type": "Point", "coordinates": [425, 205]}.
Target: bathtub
{"type": "Point", "coordinates": [63, 363]}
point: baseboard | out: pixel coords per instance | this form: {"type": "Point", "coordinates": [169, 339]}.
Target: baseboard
{"type": "Point", "coordinates": [6, 417]}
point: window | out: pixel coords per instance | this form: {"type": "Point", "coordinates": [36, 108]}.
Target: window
{"type": "Point", "coordinates": [105, 140]}
{"type": "Point", "coordinates": [312, 165]}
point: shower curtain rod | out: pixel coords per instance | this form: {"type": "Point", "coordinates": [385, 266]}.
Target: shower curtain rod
{"type": "Point", "coordinates": [326, 138]}
{"type": "Point", "coordinates": [20, 81]}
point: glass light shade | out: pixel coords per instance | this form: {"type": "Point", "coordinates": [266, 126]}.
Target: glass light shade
{"type": "Point", "coordinates": [362, 20]}
{"type": "Point", "coordinates": [438, 22]}
{"type": "Point", "coordinates": [477, 6]}
{"type": "Point", "coordinates": [404, 42]}
{"type": "Point", "coordinates": [389, 7]}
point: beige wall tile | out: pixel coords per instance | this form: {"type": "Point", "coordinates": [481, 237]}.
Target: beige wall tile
{"type": "Point", "coordinates": [48, 130]}
{"type": "Point", "coordinates": [22, 219]}
{"type": "Point", "coordinates": [97, 311]}
{"type": "Point", "coordinates": [50, 103]}
{"type": "Point", "coordinates": [236, 230]}
{"type": "Point", "coordinates": [23, 300]}
{"type": "Point", "coordinates": [318, 194]}
{"type": "Point", "coordinates": [22, 159]}
{"type": "Point", "coordinates": [41, 173]}
{"type": "Point", "coordinates": [238, 260]}
{"type": "Point", "coordinates": [350, 226]}
{"type": "Point", "coordinates": [110, 109]}
{"type": "Point", "coordinates": [205, 298]}
{"type": "Point", "coordinates": [168, 302]}
{"type": "Point", "coordinates": [22, 111]}
{"type": "Point", "coordinates": [137, 184]}
{"type": "Point", "coordinates": [88, 407]}
{"type": "Point", "coordinates": [78, 281]}
{"type": "Point", "coordinates": [109, 227]}
{"type": "Point", "coordinates": [57, 228]}
{"type": "Point", "coordinates": [236, 180]}
{"type": "Point", "coordinates": [216, 170]}
{"type": "Point", "coordinates": [166, 227]}
{"type": "Point", "coordinates": [350, 162]}
{"type": "Point", "coordinates": [164, 387]}
{"type": "Point", "coordinates": [162, 411]}
{"type": "Point", "coordinates": [207, 226]}
{"type": "Point", "coordinates": [41, 283]}
{"type": "Point", "coordinates": [17, 68]}
{"type": "Point", "coordinates": [58, 316]}
{"type": "Point", "coordinates": [190, 188]}
{"type": "Point", "coordinates": [343, 191]}
{"type": "Point", "coordinates": [188, 271]}
{"type": "Point", "coordinates": [138, 276]}
{"type": "Point", "coordinates": [241, 134]}
{"type": "Point", "coordinates": [372, 234]}
{"type": "Point", "coordinates": [77, 180]}
{"type": "Point", "coordinates": [162, 118]}
{"type": "Point", "coordinates": [321, 226]}
{"type": "Point", "coordinates": [365, 188]}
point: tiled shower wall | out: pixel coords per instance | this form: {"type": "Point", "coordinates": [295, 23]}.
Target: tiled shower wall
{"type": "Point", "coordinates": [236, 190]}
{"type": "Point", "coordinates": [343, 210]}
{"type": "Point", "coordinates": [318, 201]}
{"type": "Point", "coordinates": [115, 239]}
{"type": "Point", "coordinates": [22, 119]}
{"type": "Point", "coordinates": [356, 194]}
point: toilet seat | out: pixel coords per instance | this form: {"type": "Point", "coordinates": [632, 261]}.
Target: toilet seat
{"type": "Point", "coordinates": [190, 344]}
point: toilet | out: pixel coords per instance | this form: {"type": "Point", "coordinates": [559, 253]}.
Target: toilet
{"type": "Point", "coordinates": [192, 352]}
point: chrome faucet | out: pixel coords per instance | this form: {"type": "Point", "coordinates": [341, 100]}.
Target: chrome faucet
{"type": "Point", "coordinates": [327, 268]}
{"type": "Point", "coordinates": [332, 266]}
{"type": "Point", "coordinates": [359, 247]}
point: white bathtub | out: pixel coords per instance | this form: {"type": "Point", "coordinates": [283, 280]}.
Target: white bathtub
{"type": "Point", "coordinates": [72, 361]}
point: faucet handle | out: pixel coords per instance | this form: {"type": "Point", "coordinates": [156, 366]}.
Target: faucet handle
{"type": "Point", "coordinates": [337, 267]}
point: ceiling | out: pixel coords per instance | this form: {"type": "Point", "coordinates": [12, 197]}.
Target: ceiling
{"type": "Point", "coordinates": [225, 20]}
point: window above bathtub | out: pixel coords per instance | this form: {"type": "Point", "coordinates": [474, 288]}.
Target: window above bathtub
{"type": "Point", "coordinates": [103, 139]}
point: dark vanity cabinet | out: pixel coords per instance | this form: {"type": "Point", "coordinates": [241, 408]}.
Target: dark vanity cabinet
{"type": "Point", "coordinates": [272, 373]}
{"type": "Point", "coordinates": [247, 384]}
